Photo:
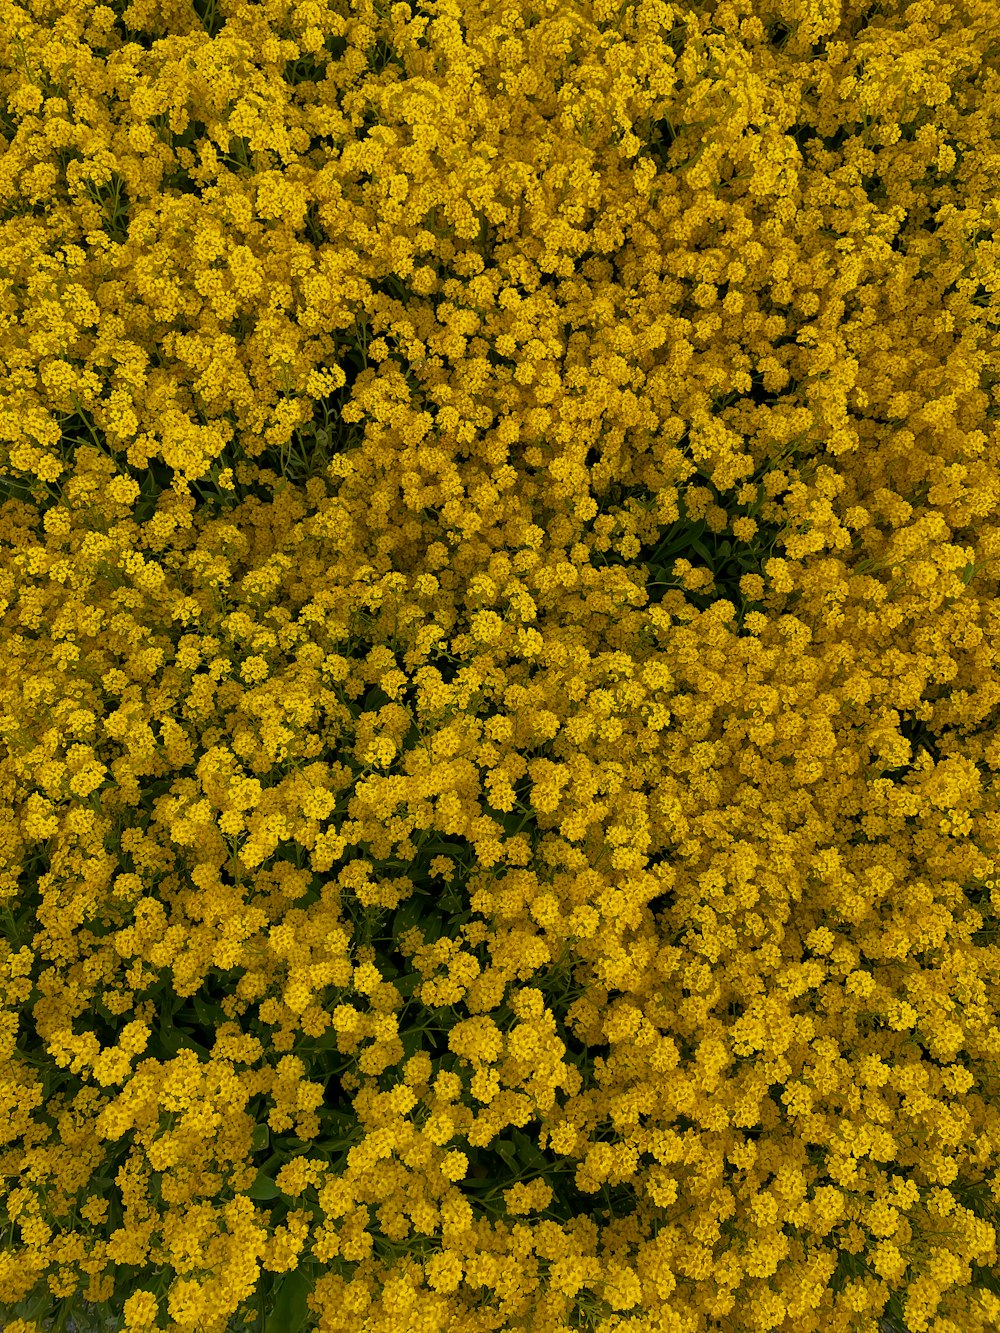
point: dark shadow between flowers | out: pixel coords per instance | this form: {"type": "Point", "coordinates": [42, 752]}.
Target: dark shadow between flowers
{"type": "Point", "coordinates": [726, 559]}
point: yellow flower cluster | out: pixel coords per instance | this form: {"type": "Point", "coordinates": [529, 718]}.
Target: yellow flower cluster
{"type": "Point", "coordinates": [527, 853]}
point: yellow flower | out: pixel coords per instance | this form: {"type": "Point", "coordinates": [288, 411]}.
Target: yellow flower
{"type": "Point", "coordinates": [141, 1310]}
{"type": "Point", "coordinates": [454, 1165]}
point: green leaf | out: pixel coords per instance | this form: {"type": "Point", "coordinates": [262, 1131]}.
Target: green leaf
{"type": "Point", "coordinates": [326, 1042]}
{"type": "Point", "coordinates": [188, 1042]}
{"type": "Point", "coordinates": [407, 984]}
{"type": "Point", "coordinates": [345, 1122]}
{"type": "Point", "coordinates": [529, 1152]}
{"type": "Point", "coordinates": [411, 1042]}
{"type": "Point", "coordinates": [170, 1037]}
{"type": "Point", "coordinates": [432, 929]}
{"type": "Point", "coordinates": [407, 916]}
{"type": "Point", "coordinates": [388, 969]}
{"type": "Point", "coordinates": [443, 847]}
{"type": "Point", "coordinates": [290, 1311]}
{"type": "Point", "coordinates": [263, 1188]}
{"type": "Point", "coordinates": [261, 1137]}
{"type": "Point", "coordinates": [514, 822]}
{"type": "Point", "coordinates": [209, 1015]}
{"type": "Point", "coordinates": [505, 1149]}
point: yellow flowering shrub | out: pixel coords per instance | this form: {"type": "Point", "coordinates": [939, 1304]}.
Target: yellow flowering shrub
{"type": "Point", "coordinates": [498, 579]}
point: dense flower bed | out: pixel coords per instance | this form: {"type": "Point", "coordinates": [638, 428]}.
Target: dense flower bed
{"type": "Point", "coordinates": [500, 624]}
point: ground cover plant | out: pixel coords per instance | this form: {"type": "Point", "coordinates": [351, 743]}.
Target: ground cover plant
{"type": "Point", "coordinates": [500, 625]}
